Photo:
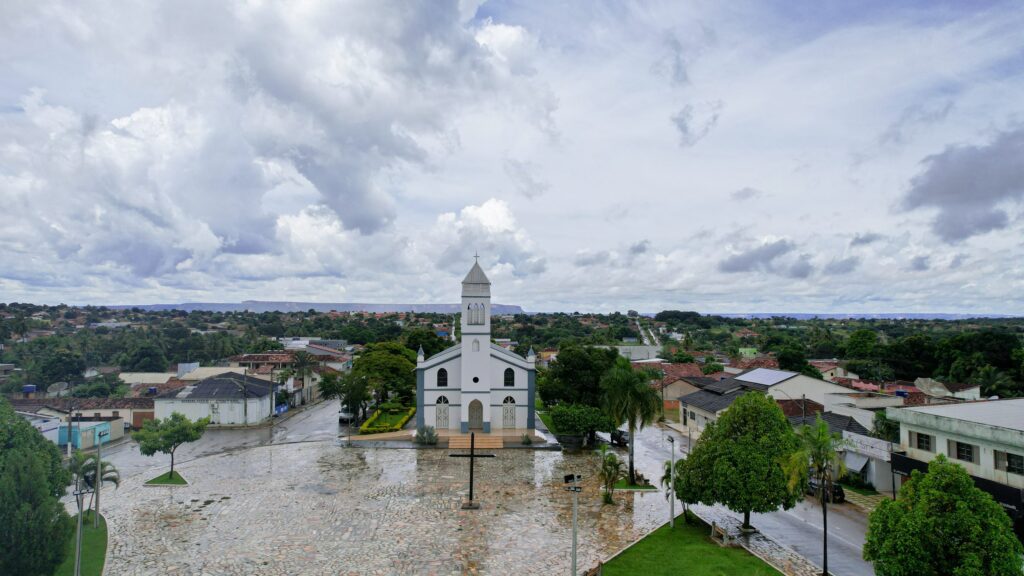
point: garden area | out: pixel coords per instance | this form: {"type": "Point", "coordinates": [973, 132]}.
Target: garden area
{"type": "Point", "coordinates": [94, 548]}
{"type": "Point", "coordinates": [685, 549]}
{"type": "Point", "coordinates": [390, 417]}
{"type": "Point", "coordinates": [168, 479]}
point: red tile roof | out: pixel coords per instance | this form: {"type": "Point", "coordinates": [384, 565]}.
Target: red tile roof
{"type": "Point", "coordinates": [761, 362]}
{"type": "Point", "coordinates": [672, 372]}
{"type": "Point", "coordinates": [799, 407]}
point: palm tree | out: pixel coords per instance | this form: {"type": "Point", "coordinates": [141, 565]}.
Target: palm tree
{"type": "Point", "coordinates": [302, 366]}
{"type": "Point", "coordinates": [609, 473]}
{"type": "Point", "coordinates": [994, 383]}
{"type": "Point", "coordinates": [83, 467]}
{"type": "Point", "coordinates": [817, 456]}
{"type": "Point", "coordinates": [629, 398]}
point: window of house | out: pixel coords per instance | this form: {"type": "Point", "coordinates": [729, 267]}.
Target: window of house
{"type": "Point", "coordinates": [442, 378]}
{"type": "Point", "coordinates": [692, 415]}
{"type": "Point", "coordinates": [925, 442]}
{"type": "Point", "coordinates": [96, 415]}
{"type": "Point", "coordinates": [964, 451]}
{"type": "Point", "coordinates": [1013, 463]}
{"type": "Point", "coordinates": [510, 377]}
{"type": "Point", "coordinates": [117, 414]}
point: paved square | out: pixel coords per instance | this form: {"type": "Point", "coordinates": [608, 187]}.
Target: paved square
{"type": "Point", "coordinates": [320, 508]}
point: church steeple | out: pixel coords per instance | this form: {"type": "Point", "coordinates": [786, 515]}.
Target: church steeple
{"type": "Point", "coordinates": [476, 283]}
{"type": "Point", "coordinates": [476, 301]}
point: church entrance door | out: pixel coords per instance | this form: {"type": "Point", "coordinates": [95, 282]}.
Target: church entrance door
{"type": "Point", "coordinates": [476, 415]}
{"type": "Point", "coordinates": [508, 413]}
{"type": "Point", "coordinates": [442, 413]}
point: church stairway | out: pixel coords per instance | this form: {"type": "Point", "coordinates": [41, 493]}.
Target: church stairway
{"type": "Point", "coordinates": [461, 442]}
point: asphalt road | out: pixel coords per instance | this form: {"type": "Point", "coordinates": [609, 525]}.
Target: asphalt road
{"type": "Point", "coordinates": [319, 422]}
{"type": "Point", "coordinates": [798, 529]}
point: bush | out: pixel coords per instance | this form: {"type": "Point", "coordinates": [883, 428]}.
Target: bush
{"type": "Point", "coordinates": [426, 436]}
{"type": "Point", "coordinates": [578, 420]}
{"type": "Point", "coordinates": [372, 427]}
{"type": "Point", "coordinates": [391, 407]}
{"type": "Point", "coordinates": [527, 440]}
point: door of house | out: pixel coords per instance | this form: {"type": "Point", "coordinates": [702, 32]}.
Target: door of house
{"type": "Point", "coordinates": [442, 413]}
{"type": "Point", "coordinates": [214, 413]}
{"type": "Point", "coordinates": [476, 415]}
{"type": "Point", "coordinates": [508, 413]}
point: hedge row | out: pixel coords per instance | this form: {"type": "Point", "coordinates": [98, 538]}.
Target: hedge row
{"type": "Point", "coordinates": [368, 427]}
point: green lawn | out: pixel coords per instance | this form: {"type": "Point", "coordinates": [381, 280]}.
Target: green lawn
{"type": "Point", "coordinates": [546, 419]}
{"type": "Point", "coordinates": [861, 491]}
{"type": "Point", "coordinates": [167, 478]}
{"type": "Point", "coordinates": [386, 419]}
{"type": "Point", "coordinates": [685, 549]}
{"type": "Point", "coordinates": [625, 485]}
{"type": "Point", "coordinates": [94, 548]}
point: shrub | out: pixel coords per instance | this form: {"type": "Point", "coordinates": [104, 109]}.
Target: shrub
{"type": "Point", "coordinates": [426, 436]}
{"type": "Point", "coordinates": [371, 426]}
{"type": "Point", "coordinates": [527, 440]}
{"type": "Point", "coordinates": [391, 407]}
{"type": "Point", "coordinates": [577, 420]}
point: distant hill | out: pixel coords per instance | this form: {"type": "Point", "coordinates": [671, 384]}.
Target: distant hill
{"type": "Point", "coordinates": [260, 306]}
{"type": "Point", "coordinates": [878, 316]}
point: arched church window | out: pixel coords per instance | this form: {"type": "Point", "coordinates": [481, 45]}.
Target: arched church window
{"type": "Point", "coordinates": [442, 399]}
{"type": "Point", "coordinates": [510, 377]}
{"type": "Point", "coordinates": [509, 400]}
{"type": "Point", "coordinates": [442, 379]}
{"type": "Point", "coordinates": [476, 345]}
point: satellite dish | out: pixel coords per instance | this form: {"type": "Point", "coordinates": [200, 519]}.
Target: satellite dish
{"type": "Point", "coordinates": [931, 387]}
{"type": "Point", "coordinates": [56, 389]}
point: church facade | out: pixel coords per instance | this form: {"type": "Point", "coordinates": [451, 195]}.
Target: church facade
{"type": "Point", "coordinates": [476, 386]}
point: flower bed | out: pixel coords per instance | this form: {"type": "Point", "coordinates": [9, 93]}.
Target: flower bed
{"type": "Point", "coordinates": [386, 421]}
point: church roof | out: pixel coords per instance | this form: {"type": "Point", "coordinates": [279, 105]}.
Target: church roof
{"type": "Point", "coordinates": [476, 275]}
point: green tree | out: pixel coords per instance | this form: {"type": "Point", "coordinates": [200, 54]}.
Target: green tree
{"type": "Point", "coordinates": [629, 398]}
{"type": "Point", "coordinates": [427, 339]}
{"type": "Point", "coordinates": [83, 467]}
{"type": "Point", "coordinates": [61, 365]}
{"type": "Point", "coordinates": [303, 364]}
{"type": "Point", "coordinates": [995, 383]}
{"type": "Point", "coordinates": [942, 524]}
{"type": "Point", "coordinates": [861, 344]}
{"type": "Point", "coordinates": [168, 434]}
{"type": "Point", "coordinates": [145, 357]}
{"type": "Point", "coordinates": [792, 358]}
{"type": "Point", "coordinates": [885, 429]}
{"type": "Point", "coordinates": [711, 368]}
{"type": "Point", "coordinates": [574, 377]}
{"type": "Point", "coordinates": [388, 368]}
{"type": "Point", "coordinates": [35, 526]}
{"type": "Point", "coordinates": [817, 456]}
{"type": "Point", "coordinates": [737, 461]}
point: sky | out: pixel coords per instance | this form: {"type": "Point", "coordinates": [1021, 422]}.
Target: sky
{"type": "Point", "coordinates": [713, 156]}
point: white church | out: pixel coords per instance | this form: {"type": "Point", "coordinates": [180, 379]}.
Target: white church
{"type": "Point", "coordinates": [476, 386]}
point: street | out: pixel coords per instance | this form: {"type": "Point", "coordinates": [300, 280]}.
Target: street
{"type": "Point", "coordinates": [798, 529]}
{"type": "Point", "coordinates": [319, 422]}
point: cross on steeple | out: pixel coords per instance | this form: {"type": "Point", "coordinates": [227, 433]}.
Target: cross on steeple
{"type": "Point", "coordinates": [476, 255]}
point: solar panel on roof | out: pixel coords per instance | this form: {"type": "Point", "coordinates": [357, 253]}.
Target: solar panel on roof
{"type": "Point", "coordinates": [766, 376]}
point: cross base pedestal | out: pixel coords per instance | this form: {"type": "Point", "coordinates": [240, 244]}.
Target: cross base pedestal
{"type": "Point", "coordinates": [470, 505]}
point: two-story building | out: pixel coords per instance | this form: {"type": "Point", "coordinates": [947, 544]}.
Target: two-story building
{"type": "Point", "coordinates": [986, 438]}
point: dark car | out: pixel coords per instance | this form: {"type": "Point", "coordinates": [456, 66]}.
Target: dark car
{"type": "Point", "coordinates": [620, 437]}
{"type": "Point", "coordinates": [838, 495]}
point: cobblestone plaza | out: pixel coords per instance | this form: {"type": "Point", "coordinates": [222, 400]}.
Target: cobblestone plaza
{"type": "Point", "coordinates": [321, 508]}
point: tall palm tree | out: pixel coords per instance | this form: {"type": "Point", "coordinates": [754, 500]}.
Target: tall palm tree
{"type": "Point", "coordinates": [302, 366]}
{"type": "Point", "coordinates": [609, 473]}
{"type": "Point", "coordinates": [629, 398]}
{"type": "Point", "coordinates": [818, 456]}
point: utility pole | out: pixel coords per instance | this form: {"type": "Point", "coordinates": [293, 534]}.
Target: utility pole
{"type": "Point", "coordinates": [672, 486]}
{"type": "Point", "coordinates": [80, 493]}
{"type": "Point", "coordinates": [575, 489]}
{"type": "Point", "coordinates": [99, 477]}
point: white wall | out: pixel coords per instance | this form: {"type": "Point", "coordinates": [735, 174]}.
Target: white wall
{"type": "Point", "coordinates": [985, 468]}
{"type": "Point", "coordinates": [221, 412]}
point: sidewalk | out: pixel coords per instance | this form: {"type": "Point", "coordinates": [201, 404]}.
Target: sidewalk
{"type": "Point", "coordinates": [865, 503]}
{"type": "Point", "coordinates": [782, 558]}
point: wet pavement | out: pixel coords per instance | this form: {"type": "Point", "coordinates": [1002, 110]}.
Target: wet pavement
{"type": "Point", "coordinates": [269, 501]}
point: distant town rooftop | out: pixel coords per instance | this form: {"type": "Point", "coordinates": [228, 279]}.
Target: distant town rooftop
{"type": "Point", "coordinates": [765, 376]}
{"type": "Point", "coordinates": [1002, 413]}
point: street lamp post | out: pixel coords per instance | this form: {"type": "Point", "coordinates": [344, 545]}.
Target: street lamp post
{"type": "Point", "coordinates": [672, 486]}
{"type": "Point", "coordinates": [575, 489]}
{"type": "Point", "coordinates": [99, 477]}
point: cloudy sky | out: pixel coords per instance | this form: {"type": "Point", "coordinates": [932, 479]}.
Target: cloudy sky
{"type": "Point", "coordinates": [716, 156]}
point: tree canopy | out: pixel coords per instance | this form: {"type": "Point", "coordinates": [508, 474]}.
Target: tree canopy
{"type": "Point", "coordinates": [941, 524]}
{"type": "Point", "coordinates": [737, 461]}
{"type": "Point", "coordinates": [387, 368]}
{"type": "Point", "coordinates": [35, 526]}
{"type": "Point", "coordinates": [168, 434]}
{"type": "Point", "coordinates": [574, 377]}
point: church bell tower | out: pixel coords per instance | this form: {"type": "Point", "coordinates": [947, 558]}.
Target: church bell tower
{"type": "Point", "coordinates": [476, 346]}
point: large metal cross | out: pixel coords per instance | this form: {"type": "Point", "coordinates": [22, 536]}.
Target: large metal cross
{"type": "Point", "coordinates": [471, 505]}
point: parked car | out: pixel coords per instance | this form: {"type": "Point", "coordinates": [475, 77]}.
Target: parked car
{"type": "Point", "coordinates": [838, 494]}
{"type": "Point", "coordinates": [620, 437]}
{"type": "Point", "coordinates": [345, 417]}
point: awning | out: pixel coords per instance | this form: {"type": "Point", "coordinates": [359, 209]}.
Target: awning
{"type": "Point", "coordinates": [855, 462]}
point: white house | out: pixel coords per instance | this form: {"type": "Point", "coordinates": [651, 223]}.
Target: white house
{"type": "Point", "coordinates": [476, 385]}
{"type": "Point", "coordinates": [986, 438]}
{"type": "Point", "coordinates": [227, 399]}
{"type": "Point", "coordinates": [785, 385]}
